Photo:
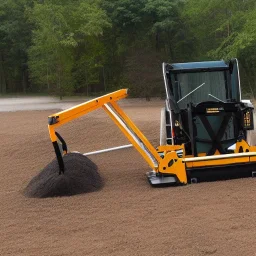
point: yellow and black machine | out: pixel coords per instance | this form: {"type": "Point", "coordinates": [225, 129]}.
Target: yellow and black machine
{"type": "Point", "coordinates": [204, 125]}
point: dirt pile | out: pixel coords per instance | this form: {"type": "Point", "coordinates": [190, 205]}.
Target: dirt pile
{"type": "Point", "coordinates": [81, 176]}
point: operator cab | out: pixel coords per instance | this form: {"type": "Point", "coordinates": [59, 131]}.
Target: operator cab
{"type": "Point", "coordinates": [203, 106]}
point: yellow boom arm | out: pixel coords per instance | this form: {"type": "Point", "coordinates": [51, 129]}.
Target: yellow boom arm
{"type": "Point", "coordinates": [108, 103]}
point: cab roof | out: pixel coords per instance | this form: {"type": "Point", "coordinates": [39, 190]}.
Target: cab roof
{"type": "Point", "coordinates": [200, 66]}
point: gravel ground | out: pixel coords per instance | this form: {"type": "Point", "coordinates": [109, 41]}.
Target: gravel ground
{"type": "Point", "coordinates": [126, 217]}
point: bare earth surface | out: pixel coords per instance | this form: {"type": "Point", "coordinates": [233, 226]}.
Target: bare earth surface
{"type": "Point", "coordinates": [127, 217]}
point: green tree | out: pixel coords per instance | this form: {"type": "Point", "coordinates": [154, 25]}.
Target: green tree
{"type": "Point", "coordinates": [224, 30]}
{"type": "Point", "coordinates": [15, 34]}
{"type": "Point", "coordinates": [61, 29]}
{"type": "Point", "coordinates": [143, 32]}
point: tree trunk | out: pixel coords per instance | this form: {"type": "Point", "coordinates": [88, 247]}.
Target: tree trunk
{"type": "Point", "coordinates": [59, 83]}
{"type": "Point", "coordinates": [24, 82]}
{"type": "Point", "coordinates": [86, 83]}
{"type": "Point", "coordinates": [157, 41]}
{"type": "Point", "coordinates": [2, 76]}
{"type": "Point", "coordinates": [228, 29]}
{"type": "Point", "coordinates": [229, 14]}
{"type": "Point", "coordinates": [104, 79]}
{"type": "Point", "coordinates": [47, 78]}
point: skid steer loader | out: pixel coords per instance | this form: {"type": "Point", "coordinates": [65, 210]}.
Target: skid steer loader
{"type": "Point", "coordinates": [204, 125]}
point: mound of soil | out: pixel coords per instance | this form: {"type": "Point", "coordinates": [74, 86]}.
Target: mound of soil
{"type": "Point", "coordinates": [81, 176]}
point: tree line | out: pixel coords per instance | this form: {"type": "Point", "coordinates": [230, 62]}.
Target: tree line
{"type": "Point", "coordinates": [89, 46]}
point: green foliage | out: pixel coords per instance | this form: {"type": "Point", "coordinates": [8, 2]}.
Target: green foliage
{"type": "Point", "coordinates": [61, 28]}
{"type": "Point", "coordinates": [15, 36]}
{"type": "Point", "coordinates": [230, 32]}
{"type": "Point", "coordinates": [162, 13]}
{"type": "Point", "coordinates": [62, 46]}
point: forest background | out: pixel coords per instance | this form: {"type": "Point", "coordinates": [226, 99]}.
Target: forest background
{"type": "Point", "coordinates": [89, 47]}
